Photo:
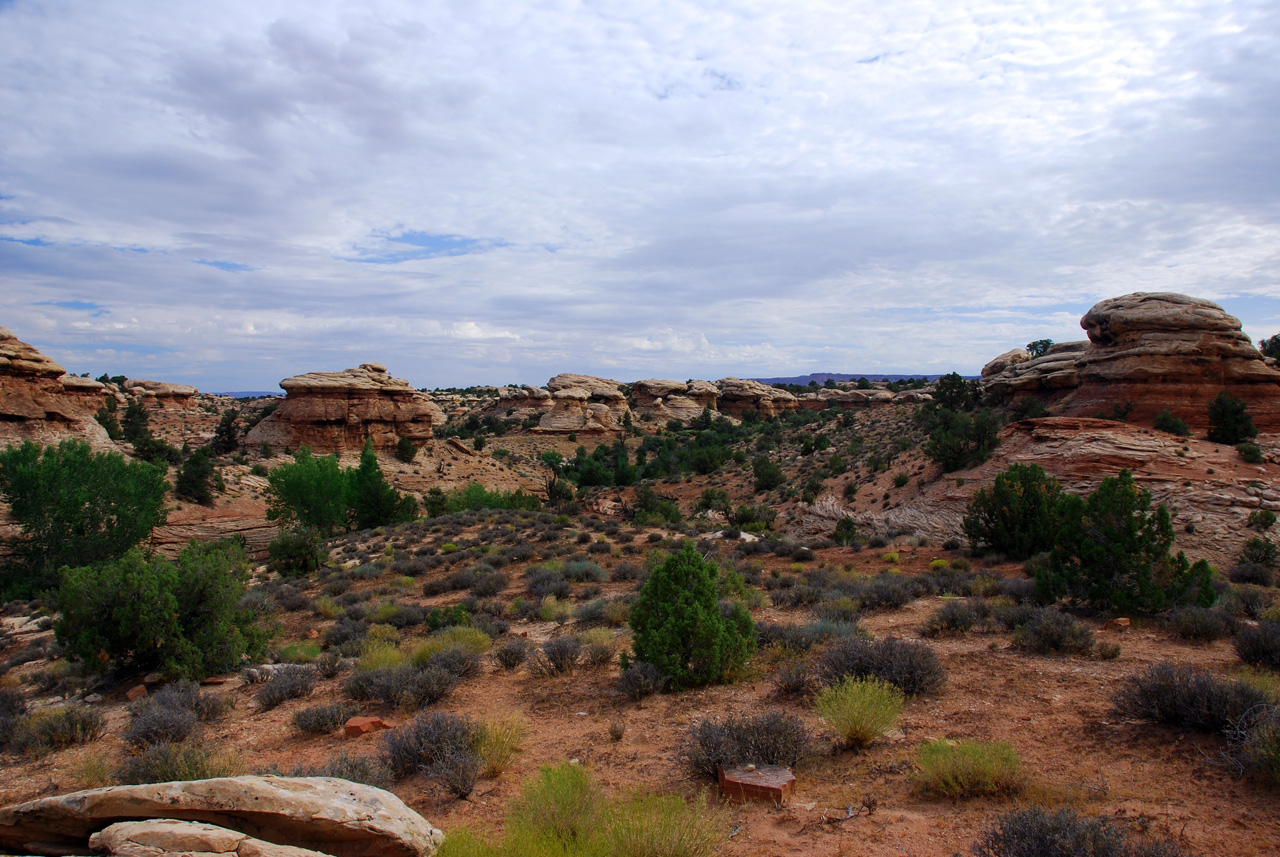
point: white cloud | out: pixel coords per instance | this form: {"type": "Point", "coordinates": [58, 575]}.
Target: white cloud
{"type": "Point", "coordinates": [649, 189]}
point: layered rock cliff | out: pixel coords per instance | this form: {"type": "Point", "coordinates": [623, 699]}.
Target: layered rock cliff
{"type": "Point", "coordinates": [39, 401]}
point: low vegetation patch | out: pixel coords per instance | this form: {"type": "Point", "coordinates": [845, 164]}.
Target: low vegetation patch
{"type": "Point", "coordinates": [957, 769]}
{"type": "Point", "coordinates": [771, 738]}
{"type": "Point", "coordinates": [913, 667]}
{"type": "Point", "coordinates": [1186, 698]}
{"type": "Point", "coordinates": [1040, 832]}
{"type": "Point", "coordinates": [859, 710]}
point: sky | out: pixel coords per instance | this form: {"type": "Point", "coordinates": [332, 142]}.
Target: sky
{"type": "Point", "coordinates": [229, 193]}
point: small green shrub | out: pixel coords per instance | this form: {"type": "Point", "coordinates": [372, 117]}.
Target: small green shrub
{"type": "Point", "coordinates": [55, 729]}
{"type": "Point", "coordinates": [320, 719]}
{"type": "Point", "coordinates": [1165, 421]}
{"type": "Point", "coordinates": [498, 741]}
{"type": "Point", "coordinates": [1186, 698]}
{"type": "Point", "coordinates": [1018, 515]}
{"type": "Point", "coordinates": [1049, 631]}
{"type": "Point", "coordinates": [297, 553]}
{"type": "Point", "coordinates": [1229, 420]}
{"type": "Point", "coordinates": [859, 710]}
{"type": "Point", "coordinates": [1250, 453]}
{"type": "Point", "coordinates": [1259, 550]}
{"type": "Point", "coordinates": [771, 738]}
{"type": "Point", "coordinates": [290, 681]}
{"type": "Point", "coordinates": [957, 769]}
{"type": "Point", "coordinates": [1262, 519]}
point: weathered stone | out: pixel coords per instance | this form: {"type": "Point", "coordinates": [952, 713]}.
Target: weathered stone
{"type": "Point", "coordinates": [1118, 624]}
{"type": "Point", "coordinates": [136, 692]}
{"type": "Point", "coordinates": [738, 395]}
{"type": "Point", "coordinates": [357, 726]}
{"type": "Point", "coordinates": [330, 815]}
{"type": "Point", "coordinates": [158, 837]}
{"type": "Point", "coordinates": [763, 784]}
{"type": "Point", "coordinates": [161, 393]}
{"type": "Point", "coordinates": [39, 402]}
{"type": "Point", "coordinates": [338, 411]}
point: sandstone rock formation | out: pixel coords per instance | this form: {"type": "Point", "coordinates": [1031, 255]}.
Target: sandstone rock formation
{"type": "Point", "coordinates": [672, 400]}
{"type": "Point", "coordinates": [1156, 350]}
{"type": "Point", "coordinates": [160, 393]}
{"type": "Point", "coordinates": [521, 403]}
{"type": "Point", "coordinates": [159, 837]}
{"type": "Point", "coordinates": [334, 412]}
{"type": "Point", "coordinates": [737, 395]}
{"type": "Point", "coordinates": [39, 402]}
{"type": "Point", "coordinates": [584, 403]}
{"type": "Point", "coordinates": [333, 816]}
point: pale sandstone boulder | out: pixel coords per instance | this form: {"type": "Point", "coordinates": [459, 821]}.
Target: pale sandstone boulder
{"type": "Point", "coordinates": [738, 395]}
{"type": "Point", "coordinates": [520, 403]}
{"type": "Point", "coordinates": [333, 816]}
{"type": "Point", "coordinates": [664, 399]}
{"type": "Point", "coordinates": [1012, 357]}
{"type": "Point", "coordinates": [337, 411]}
{"type": "Point", "coordinates": [575, 411]}
{"type": "Point", "coordinates": [162, 836]}
{"type": "Point", "coordinates": [160, 392]}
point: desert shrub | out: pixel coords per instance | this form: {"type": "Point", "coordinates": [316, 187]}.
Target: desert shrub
{"type": "Point", "coordinates": [184, 695]}
{"type": "Point", "coordinates": [160, 724]}
{"type": "Point", "coordinates": [406, 451]}
{"type": "Point", "coordinates": [625, 571]}
{"type": "Point", "coordinates": [562, 804]}
{"type": "Point", "coordinates": [370, 770]}
{"type": "Point", "coordinates": [55, 729]}
{"type": "Point", "coordinates": [544, 582]}
{"type": "Point", "coordinates": [166, 763]}
{"type": "Point", "coordinates": [1185, 698]}
{"type": "Point", "coordinates": [598, 646]}
{"type": "Point", "coordinates": [1259, 645]}
{"type": "Point", "coordinates": [859, 710]}
{"type": "Point", "coordinates": [13, 705]}
{"type": "Point", "coordinates": [801, 638]}
{"type": "Point", "coordinates": [345, 631]}
{"type": "Point", "coordinates": [437, 744]}
{"type": "Point", "coordinates": [75, 508]}
{"type": "Point", "coordinates": [498, 741]}
{"type": "Point", "coordinates": [885, 592]}
{"type": "Point", "coordinates": [640, 679]}
{"type": "Point", "coordinates": [404, 685]}
{"type": "Point", "coordinates": [1250, 453]}
{"type": "Point", "coordinates": [1262, 519]}
{"type": "Point", "coordinates": [771, 738]}
{"type": "Point", "coordinates": [456, 661]}
{"type": "Point", "coordinates": [584, 571]}
{"type": "Point", "coordinates": [956, 769]}
{"type": "Point", "coordinates": [954, 617]}
{"type": "Point", "coordinates": [678, 625]}
{"type": "Point", "coordinates": [1252, 573]}
{"type": "Point", "coordinates": [297, 552]}
{"type": "Point", "coordinates": [911, 666]}
{"type": "Point", "coordinates": [1257, 741]}
{"type": "Point", "coordinates": [792, 678]}
{"type": "Point", "coordinates": [557, 656]}
{"type": "Point", "coordinates": [1049, 631]}
{"type": "Point", "coordinates": [1201, 624]}
{"type": "Point", "coordinates": [1018, 516]}
{"type": "Point", "coordinates": [148, 612]}
{"type": "Point", "coordinates": [512, 653]}
{"type": "Point", "coordinates": [290, 681]}
{"type": "Point", "coordinates": [1229, 420]}
{"type": "Point", "coordinates": [319, 719]}
{"type": "Point", "coordinates": [1259, 550]}
{"type": "Point", "coordinates": [1112, 551]}
{"type": "Point", "coordinates": [1165, 421]}
{"type": "Point", "coordinates": [958, 440]}
{"type": "Point", "coordinates": [1039, 832]}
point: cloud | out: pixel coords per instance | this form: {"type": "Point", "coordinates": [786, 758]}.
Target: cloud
{"type": "Point", "coordinates": [492, 192]}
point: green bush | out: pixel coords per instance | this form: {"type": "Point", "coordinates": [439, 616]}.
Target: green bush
{"type": "Point", "coordinates": [317, 492]}
{"type": "Point", "coordinates": [1262, 519]}
{"type": "Point", "coordinates": [956, 769]}
{"type": "Point", "coordinates": [1018, 516]}
{"type": "Point", "coordinates": [1165, 421]}
{"type": "Point", "coordinates": [1250, 453]}
{"type": "Point", "coordinates": [474, 497]}
{"type": "Point", "coordinates": [168, 762]}
{"type": "Point", "coordinates": [1112, 551]}
{"type": "Point", "coordinates": [226, 437]}
{"type": "Point", "coordinates": [768, 475]}
{"type": "Point", "coordinates": [297, 552]}
{"type": "Point", "coordinates": [859, 710]}
{"type": "Point", "coordinates": [195, 478]}
{"type": "Point", "coordinates": [1259, 550]}
{"type": "Point", "coordinates": [958, 440]}
{"type": "Point", "coordinates": [1048, 631]}
{"type": "Point", "coordinates": [1229, 420]}
{"type": "Point", "coordinates": [145, 612]}
{"type": "Point", "coordinates": [55, 729]}
{"type": "Point", "coordinates": [75, 507]}
{"type": "Point", "coordinates": [678, 626]}
{"type": "Point", "coordinates": [406, 450]}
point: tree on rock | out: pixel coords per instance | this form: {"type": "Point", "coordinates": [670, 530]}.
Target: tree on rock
{"type": "Point", "coordinates": [678, 625]}
{"type": "Point", "coordinates": [1229, 420]}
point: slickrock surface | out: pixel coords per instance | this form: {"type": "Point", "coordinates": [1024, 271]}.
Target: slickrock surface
{"type": "Point", "coordinates": [336, 411]}
{"type": "Point", "coordinates": [1156, 350]}
{"type": "Point", "coordinates": [319, 813]}
{"type": "Point", "coordinates": [39, 402]}
{"type": "Point", "coordinates": [161, 836]}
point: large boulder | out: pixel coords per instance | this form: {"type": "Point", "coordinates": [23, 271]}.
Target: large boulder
{"type": "Point", "coordinates": [38, 401]}
{"type": "Point", "coordinates": [738, 395]}
{"type": "Point", "coordinates": [664, 399]}
{"type": "Point", "coordinates": [158, 837]}
{"type": "Point", "coordinates": [584, 403]}
{"type": "Point", "coordinates": [323, 814]}
{"type": "Point", "coordinates": [160, 393]}
{"type": "Point", "coordinates": [337, 411]}
{"type": "Point", "coordinates": [1154, 350]}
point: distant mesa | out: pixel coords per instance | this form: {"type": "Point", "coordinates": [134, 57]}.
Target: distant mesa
{"type": "Point", "coordinates": [1155, 350]}
{"type": "Point", "coordinates": [336, 411]}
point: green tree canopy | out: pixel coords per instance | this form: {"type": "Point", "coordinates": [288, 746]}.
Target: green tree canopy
{"type": "Point", "coordinates": [1229, 420]}
{"type": "Point", "coordinates": [75, 507]}
{"type": "Point", "coordinates": [1018, 515]}
{"type": "Point", "coordinates": [679, 628]}
{"type": "Point", "coordinates": [319, 493]}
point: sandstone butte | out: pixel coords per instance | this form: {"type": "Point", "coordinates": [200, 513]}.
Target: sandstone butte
{"type": "Point", "coordinates": [1155, 350]}
{"type": "Point", "coordinates": [39, 401]}
{"type": "Point", "coordinates": [334, 412]}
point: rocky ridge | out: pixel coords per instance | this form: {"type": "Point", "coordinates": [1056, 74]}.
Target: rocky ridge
{"type": "Point", "coordinates": [39, 401]}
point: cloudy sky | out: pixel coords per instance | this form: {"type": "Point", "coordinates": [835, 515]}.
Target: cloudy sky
{"type": "Point", "coordinates": [226, 193]}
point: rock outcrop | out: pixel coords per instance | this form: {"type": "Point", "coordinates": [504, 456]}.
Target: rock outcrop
{"type": "Point", "coordinates": [1155, 350]}
{"type": "Point", "coordinates": [160, 393]}
{"type": "Point", "coordinates": [334, 412]}
{"type": "Point", "coordinates": [332, 816]}
{"type": "Point", "coordinates": [520, 403]}
{"type": "Point", "coordinates": [38, 401]}
{"type": "Point", "coordinates": [584, 403]}
{"type": "Point", "coordinates": [738, 395]}
{"type": "Point", "coordinates": [663, 399]}
{"type": "Point", "coordinates": [158, 837]}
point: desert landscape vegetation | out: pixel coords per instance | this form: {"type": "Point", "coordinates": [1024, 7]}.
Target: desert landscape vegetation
{"type": "Point", "coordinates": [1032, 612]}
